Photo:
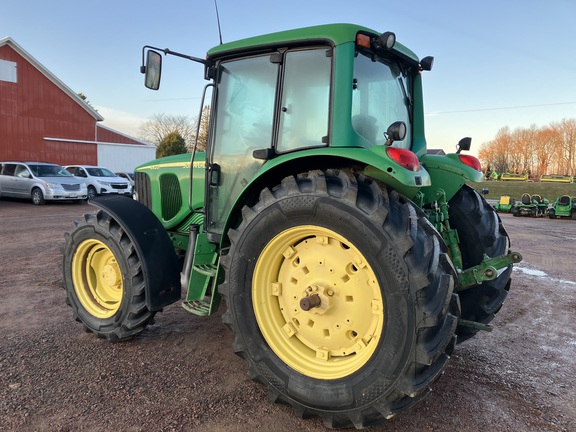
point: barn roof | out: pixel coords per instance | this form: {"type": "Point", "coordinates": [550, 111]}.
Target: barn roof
{"type": "Point", "coordinates": [10, 42]}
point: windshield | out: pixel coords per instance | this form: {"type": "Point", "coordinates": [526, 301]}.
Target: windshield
{"type": "Point", "coordinates": [100, 172]}
{"type": "Point", "coordinates": [379, 98]}
{"type": "Point", "coordinates": [49, 171]}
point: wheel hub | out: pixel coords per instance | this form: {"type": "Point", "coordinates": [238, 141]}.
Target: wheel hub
{"type": "Point", "coordinates": [110, 275]}
{"type": "Point", "coordinates": [317, 302]}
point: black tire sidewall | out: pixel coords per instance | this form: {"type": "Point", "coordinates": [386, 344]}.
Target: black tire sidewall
{"type": "Point", "coordinates": [480, 232]}
{"type": "Point", "coordinates": [90, 232]}
{"type": "Point", "coordinates": [398, 337]}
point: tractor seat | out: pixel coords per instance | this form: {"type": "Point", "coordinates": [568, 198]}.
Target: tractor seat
{"type": "Point", "coordinates": [526, 199]}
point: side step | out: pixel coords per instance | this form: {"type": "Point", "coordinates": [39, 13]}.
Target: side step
{"type": "Point", "coordinates": [201, 300]}
{"type": "Point", "coordinates": [207, 269]}
{"type": "Point", "coordinates": [197, 307]}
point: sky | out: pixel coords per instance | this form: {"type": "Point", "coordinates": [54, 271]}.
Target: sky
{"type": "Point", "coordinates": [497, 63]}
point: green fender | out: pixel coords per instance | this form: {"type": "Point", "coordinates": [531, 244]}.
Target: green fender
{"type": "Point", "coordinates": [448, 173]}
{"type": "Point", "coordinates": [377, 163]}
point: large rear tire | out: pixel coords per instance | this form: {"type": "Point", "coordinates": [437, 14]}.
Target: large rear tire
{"type": "Point", "coordinates": [340, 297]}
{"type": "Point", "coordinates": [103, 279]}
{"type": "Point", "coordinates": [480, 231]}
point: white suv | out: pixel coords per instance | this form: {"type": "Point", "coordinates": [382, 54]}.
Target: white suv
{"type": "Point", "coordinates": [40, 181]}
{"type": "Point", "coordinates": [100, 180]}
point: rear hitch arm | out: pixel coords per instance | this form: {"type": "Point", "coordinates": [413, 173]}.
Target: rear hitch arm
{"type": "Point", "coordinates": [486, 270]}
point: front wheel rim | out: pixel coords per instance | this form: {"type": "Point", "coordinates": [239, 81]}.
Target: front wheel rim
{"type": "Point", "coordinates": [337, 329]}
{"type": "Point", "coordinates": [97, 279]}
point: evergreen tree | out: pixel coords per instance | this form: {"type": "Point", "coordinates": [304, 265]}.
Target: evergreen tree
{"type": "Point", "coordinates": [171, 144]}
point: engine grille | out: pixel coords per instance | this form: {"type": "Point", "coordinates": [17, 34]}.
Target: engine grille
{"type": "Point", "coordinates": [170, 193]}
{"type": "Point", "coordinates": [71, 187]}
{"type": "Point", "coordinates": [171, 196]}
{"type": "Point", "coordinates": [119, 185]}
{"type": "Point", "coordinates": [143, 191]}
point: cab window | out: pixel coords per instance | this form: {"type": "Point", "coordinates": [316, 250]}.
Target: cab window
{"type": "Point", "coordinates": [305, 100]}
{"type": "Point", "coordinates": [380, 97]}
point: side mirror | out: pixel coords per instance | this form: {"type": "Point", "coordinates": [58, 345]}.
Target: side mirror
{"type": "Point", "coordinates": [153, 70]}
{"type": "Point", "coordinates": [395, 132]}
{"type": "Point", "coordinates": [464, 144]}
{"type": "Point", "coordinates": [426, 63]}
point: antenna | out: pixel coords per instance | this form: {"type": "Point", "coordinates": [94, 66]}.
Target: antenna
{"type": "Point", "coordinates": [218, 19]}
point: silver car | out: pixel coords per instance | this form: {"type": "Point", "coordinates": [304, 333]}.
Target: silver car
{"type": "Point", "coordinates": [40, 182]}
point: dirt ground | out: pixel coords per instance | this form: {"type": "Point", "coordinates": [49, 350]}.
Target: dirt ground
{"type": "Point", "coordinates": [181, 373]}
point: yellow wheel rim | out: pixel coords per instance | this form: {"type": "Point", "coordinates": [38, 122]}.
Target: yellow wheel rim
{"type": "Point", "coordinates": [317, 302]}
{"type": "Point", "coordinates": [97, 278]}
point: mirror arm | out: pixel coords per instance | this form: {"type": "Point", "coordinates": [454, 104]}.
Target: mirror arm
{"type": "Point", "coordinates": [166, 51]}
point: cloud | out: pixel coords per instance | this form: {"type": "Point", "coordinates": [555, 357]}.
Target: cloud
{"type": "Point", "coordinates": [124, 122]}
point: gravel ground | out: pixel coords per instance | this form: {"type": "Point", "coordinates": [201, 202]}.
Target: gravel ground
{"type": "Point", "coordinates": [181, 373]}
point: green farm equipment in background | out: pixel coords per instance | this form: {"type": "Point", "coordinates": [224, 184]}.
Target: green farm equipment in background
{"type": "Point", "coordinates": [350, 261]}
{"type": "Point", "coordinates": [557, 178]}
{"type": "Point", "coordinates": [514, 177]}
{"type": "Point", "coordinates": [530, 205]}
{"type": "Point", "coordinates": [564, 206]}
{"type": "Point", "coordinates": [505, 204]}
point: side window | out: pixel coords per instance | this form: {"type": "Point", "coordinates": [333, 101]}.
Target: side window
{"type": "Point", "coordinates": [8, 169]}
{"type": "Point", "coordinates": [379, 98]}
{"type": "Point", "coordinates": [305, 103]}
{"type": "Point", "coordinates": [245, 98]}
{"type": "Point", "coordinates": [245, 106]}
{"type": "Point", "coordinates": [21, 171]}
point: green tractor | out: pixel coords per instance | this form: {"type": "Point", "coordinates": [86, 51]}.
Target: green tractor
{"type": "Point", "coordinates": [564, 206]}
{"type": "Point", "coordinates": [349, 261]}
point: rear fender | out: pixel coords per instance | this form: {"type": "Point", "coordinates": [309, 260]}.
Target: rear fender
{"type": "Point", "coordinates": [373, 162]}
{"type": "Point", "coordinates": [153, 245]}
{"type": "Point", "coordinates": [447, 173]}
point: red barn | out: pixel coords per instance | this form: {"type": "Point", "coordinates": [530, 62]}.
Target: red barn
{"type": "Point", "coordinates": [42, 119]}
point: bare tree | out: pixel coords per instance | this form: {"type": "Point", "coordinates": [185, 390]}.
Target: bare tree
{"type": "Point", "coordinates": [566, 151]}
{"type": "Point", "coordinates": [161, 125]}
{"type": "Point", "coordinates": [547, 150]}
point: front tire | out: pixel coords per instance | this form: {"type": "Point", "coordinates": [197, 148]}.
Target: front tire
{"type": "Point", "coordinates": [103, 279]}
{"type": "Point", "coordinates": [38, 197]}
{"type": "Point", "coordinates": [480, 231]}
{"type": "Point", "coordinates": [92, 193]}
{"type": "Point", "coordinates": [340, 297]}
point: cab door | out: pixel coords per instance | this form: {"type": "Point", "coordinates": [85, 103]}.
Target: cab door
{"type": "Point", "coordinates": [243, 122]}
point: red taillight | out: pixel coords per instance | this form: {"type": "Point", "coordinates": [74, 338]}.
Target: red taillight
{"type": "Point", "coordinates": [404, 157]}
{"type": "Point", "coordinates": [471, 161]}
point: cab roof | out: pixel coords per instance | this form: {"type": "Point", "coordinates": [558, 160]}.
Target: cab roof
{"type": "Point", "coordinates": [335, 34]}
